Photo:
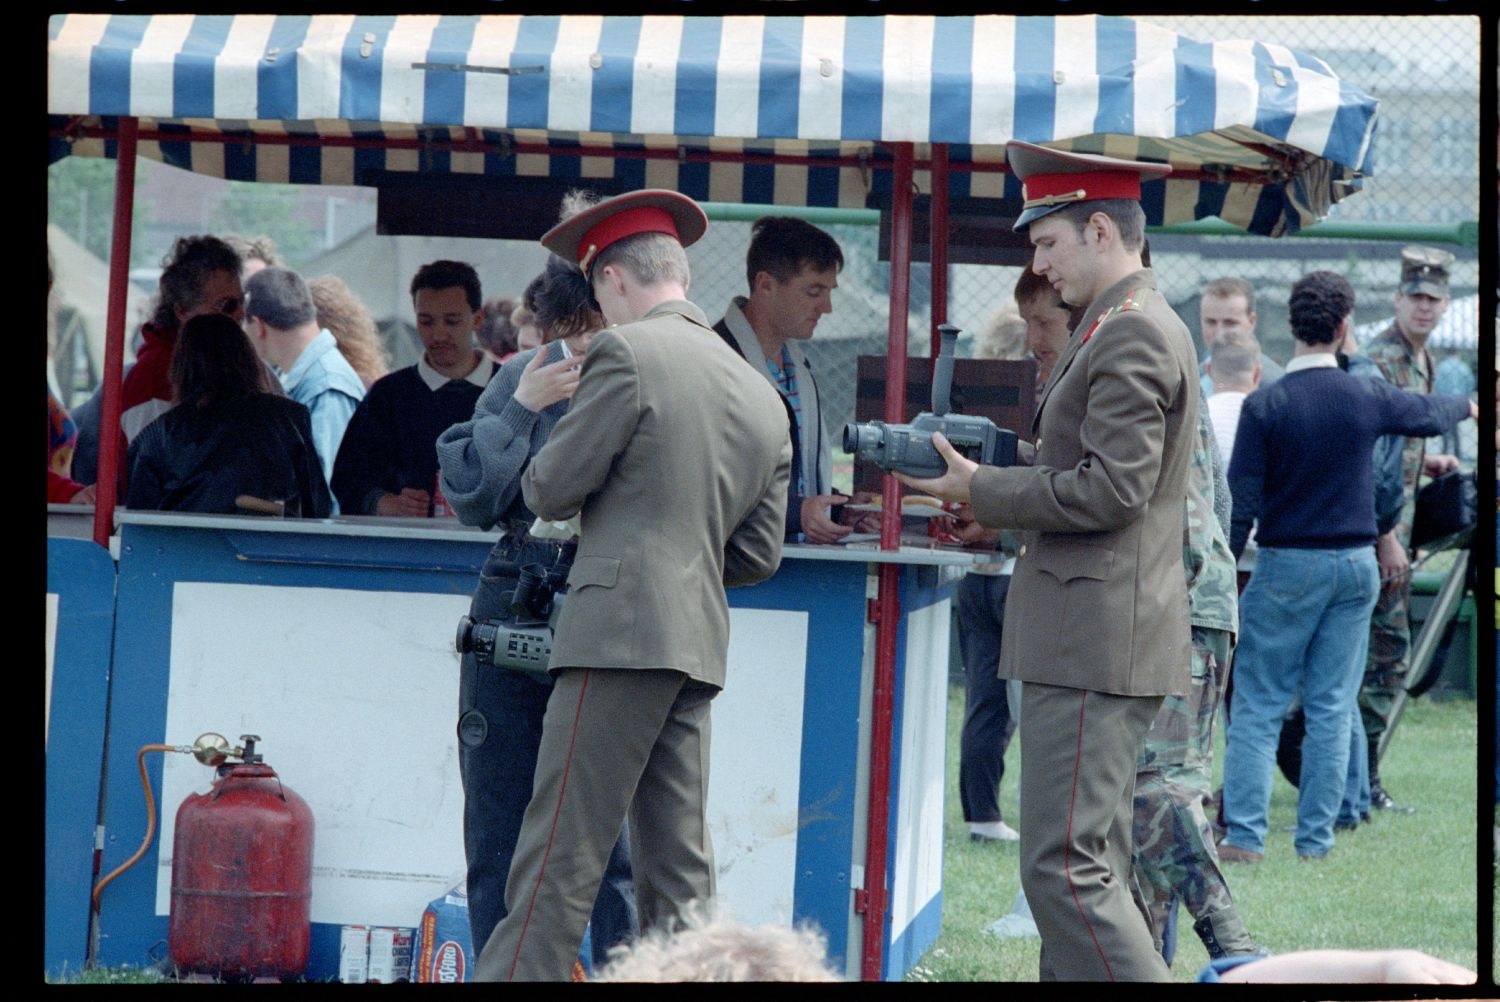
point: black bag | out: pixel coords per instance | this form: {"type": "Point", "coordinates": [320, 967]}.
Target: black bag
{"type": "Point", "coordinates": [1446, 507]}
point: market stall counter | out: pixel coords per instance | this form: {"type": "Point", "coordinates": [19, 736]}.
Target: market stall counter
{"type": "Point", "coordinates": [333, 642]}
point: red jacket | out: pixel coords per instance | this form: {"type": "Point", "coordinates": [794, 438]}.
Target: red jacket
{"type": "Point", "coordinates": [147, 391]}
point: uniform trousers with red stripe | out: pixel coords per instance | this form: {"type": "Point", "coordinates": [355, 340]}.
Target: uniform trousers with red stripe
{"type": "Point", "coordinates": [616, 743]}
{"type": "Point", "coordinates": [1078, 754]}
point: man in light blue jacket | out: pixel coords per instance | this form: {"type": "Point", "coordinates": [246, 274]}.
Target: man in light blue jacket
{"type": "Point", "coordinates": [282, 324]}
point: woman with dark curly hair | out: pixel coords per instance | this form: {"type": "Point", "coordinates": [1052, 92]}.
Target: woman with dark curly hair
{"type": "Point", "coordinates": [230, 444]}
{"type": "Point", "coordinates": [496, 335]}
{"type": "Point", "coordinates": [500, 711]}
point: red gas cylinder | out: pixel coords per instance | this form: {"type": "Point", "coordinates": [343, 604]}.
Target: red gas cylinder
{"type": "Point", "coordinates": [242, 876]}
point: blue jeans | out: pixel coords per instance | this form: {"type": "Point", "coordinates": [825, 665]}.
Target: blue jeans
{"type": "Point", "coordinates": [1356, 805]}
{"type": "Point", "coordinates": [1304, 624]}
{"type": "Point", "coordinates": [988, 722]}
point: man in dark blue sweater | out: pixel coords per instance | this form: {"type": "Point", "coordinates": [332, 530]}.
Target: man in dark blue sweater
{"type": "Point", "coordinates": [1301, 474]}
{"type": "Point", "coordinates": [387, 463]}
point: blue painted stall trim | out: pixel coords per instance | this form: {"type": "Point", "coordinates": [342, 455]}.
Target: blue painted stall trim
{"type": "Point", "coordinates": [833, 595]}
{"type": "Point", "coordinates": [920, 587]}
{"type": "Point", "coordinates": [82, 575]}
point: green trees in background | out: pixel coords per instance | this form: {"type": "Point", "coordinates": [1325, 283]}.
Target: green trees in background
{"type": "Point", "coordinates": [253, 209]}
{"type": "Point", "coordinates": [81, 195]}
{"type": "Point", "coordinates": [81, 200]}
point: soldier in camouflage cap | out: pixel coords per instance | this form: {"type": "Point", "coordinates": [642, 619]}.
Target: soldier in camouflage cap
{"type": "Point", "coordinates": [1401, 353]}
{"type": "Point", "coordinates": [1424, 271]}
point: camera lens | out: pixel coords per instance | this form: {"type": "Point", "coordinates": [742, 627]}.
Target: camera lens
{"type": "Point", "coordinates": [863, 438]}
{"type": "Point", "coordinates": [465, 639]}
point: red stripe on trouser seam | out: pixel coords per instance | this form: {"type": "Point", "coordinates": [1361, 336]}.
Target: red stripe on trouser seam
{"type": "Point", "coordinates": [551, 835]}
{"type": "Point", "coordinates": [1068, 845]}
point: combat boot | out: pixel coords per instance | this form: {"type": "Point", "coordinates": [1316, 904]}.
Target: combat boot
{"type": "Point", "coordinates": [1379, 798]}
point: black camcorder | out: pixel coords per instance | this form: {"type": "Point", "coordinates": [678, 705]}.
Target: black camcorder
{"type": "Point", "coordinates": [908, 447]}
{"type": "Point", "coordinates": [520, 637]}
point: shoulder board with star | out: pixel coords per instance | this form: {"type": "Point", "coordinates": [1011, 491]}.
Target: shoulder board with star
{"type": "Point", "coordinates": [1133, 301]}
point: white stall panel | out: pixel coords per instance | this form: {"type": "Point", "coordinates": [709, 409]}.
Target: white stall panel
{"type": "Point", "coordinates": [354, 695]}
{"type": "Point", "coordinates": [755, 764]}
{"type": "Point", "coordinates": [918, 873]}
{"type": "Point", "coordinates": [51, 648]}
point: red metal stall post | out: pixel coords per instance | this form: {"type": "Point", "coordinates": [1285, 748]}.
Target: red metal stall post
{"type": "Point", "coordinates": [114, 334]}
{"type": "Point", "coordinates": [887, 602]}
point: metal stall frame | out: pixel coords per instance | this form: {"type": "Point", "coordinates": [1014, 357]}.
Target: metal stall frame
{"type": "Point", "coordinates": [870, 901]}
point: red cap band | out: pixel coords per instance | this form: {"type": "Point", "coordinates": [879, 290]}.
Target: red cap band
{"type": "Point", "coordinates": [1094, 184]}
{"type": "Point", "coordinates": [644, 219]}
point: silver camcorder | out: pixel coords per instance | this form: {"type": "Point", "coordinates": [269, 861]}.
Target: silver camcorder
{"type": "Point", "coordinates": [908, 447]}
{"type": "Point", "coordinates": [520, 638]}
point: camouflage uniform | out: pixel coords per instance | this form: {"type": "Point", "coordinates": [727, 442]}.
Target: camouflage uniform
{"type": "Point", "coordinates": [1390, 625]}
{"type": "Point", "coordinates": [1174, 844]}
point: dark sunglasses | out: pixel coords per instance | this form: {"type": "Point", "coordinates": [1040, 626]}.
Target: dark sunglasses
{"type": "Point", "coordinates": [230, 305]}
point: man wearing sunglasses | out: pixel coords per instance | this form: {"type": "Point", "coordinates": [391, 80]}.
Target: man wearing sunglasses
{"type": "Point", "coordinates": [202, 275]}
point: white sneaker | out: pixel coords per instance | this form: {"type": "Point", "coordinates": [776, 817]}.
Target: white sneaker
{"type": "Point", "coordinates": [992, 831]}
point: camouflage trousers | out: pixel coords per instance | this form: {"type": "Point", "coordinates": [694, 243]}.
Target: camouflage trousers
{"type": "Point", "coordinates": [1388, 660]}
{"type": "Point", "coordinates": [1175, 854]}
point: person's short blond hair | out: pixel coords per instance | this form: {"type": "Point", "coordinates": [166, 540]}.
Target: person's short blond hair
{"type": "Point", "coordinates": [1230, 287]}
{"type": "Point", "coordinates": [521, 316]}
{"type": "Point", "coordinates": [261, 248]}
{"type": "Point", "coordinates": [1004, 336]}
{"type": "Point", "coordinates": [1234, 357]}
{"type": "Point", "coordinates": [709, 947]}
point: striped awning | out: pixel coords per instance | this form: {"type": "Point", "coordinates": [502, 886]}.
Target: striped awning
{"type": "Point", "coordinates": [774, 110]}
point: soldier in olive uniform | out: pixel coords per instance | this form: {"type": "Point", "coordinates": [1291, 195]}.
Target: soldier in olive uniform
{"type": "Point", "coordinates": [1175, 852]}
{"type": "Point", "coordinates": [1096, 620]}
{"type": "Point", "coordinates": [1401, 353]}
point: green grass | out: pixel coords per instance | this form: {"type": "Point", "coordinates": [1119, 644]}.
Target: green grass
{"type": "Point", "coordinates": [126, 975]}
{"type": "Point", "coordinates": [1400, 881]}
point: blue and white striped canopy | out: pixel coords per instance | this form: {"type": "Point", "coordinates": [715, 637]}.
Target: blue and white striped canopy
{"type": "Point", "coordinates": [1262, 136]}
